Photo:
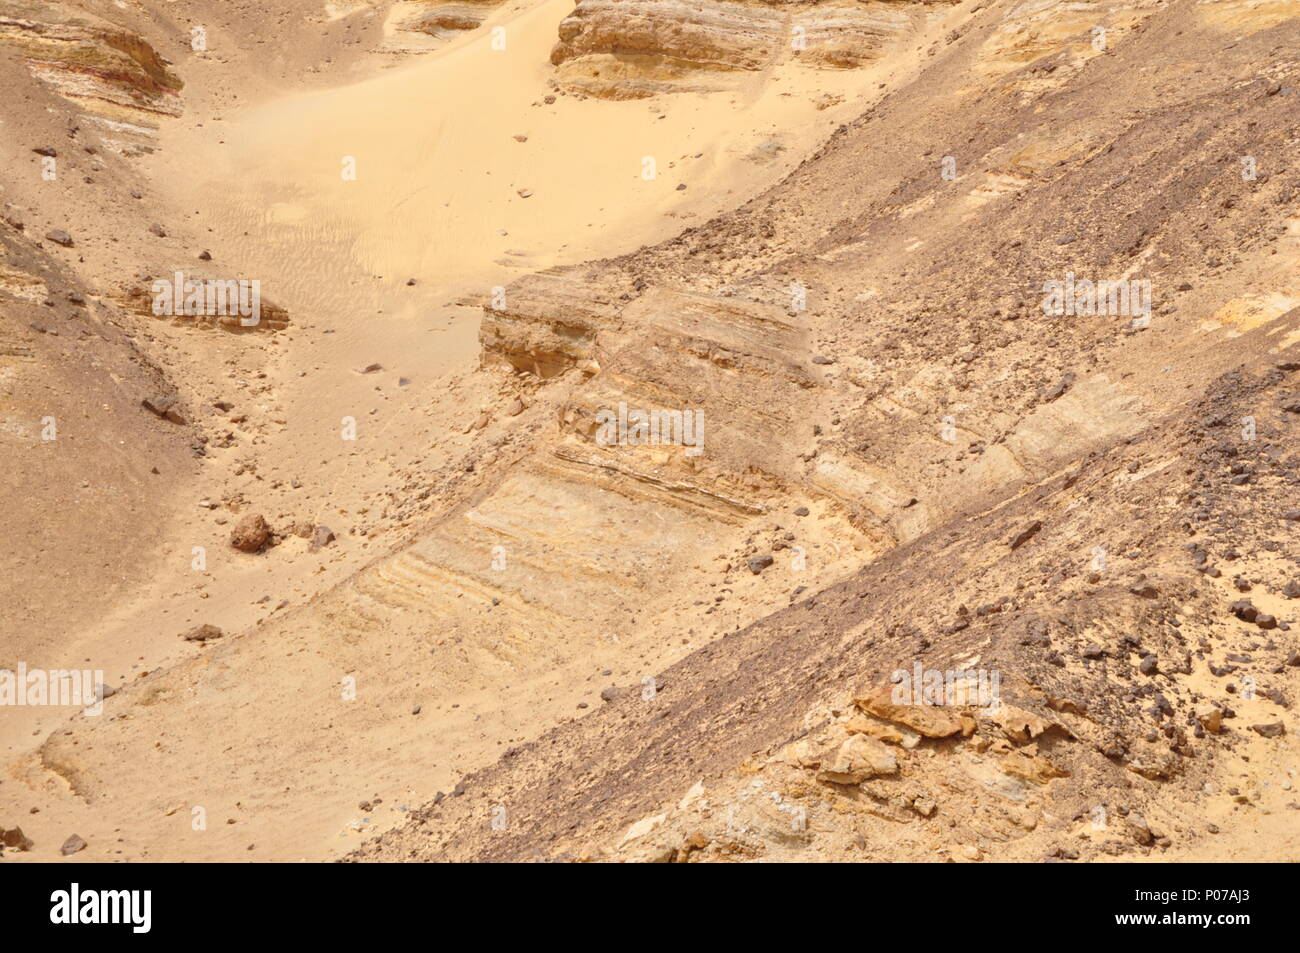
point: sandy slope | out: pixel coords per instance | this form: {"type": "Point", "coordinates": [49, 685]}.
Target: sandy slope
{"type": "Point", "coordinates": [439, 171]}
{"type": "Point", "coordinates": [437, 198]}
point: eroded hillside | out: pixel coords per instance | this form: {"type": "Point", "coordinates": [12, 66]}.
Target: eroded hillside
{"type": "Point", "coordinates": [471, 626]}
{"type": "Point", "coordinates": [1098, 507]}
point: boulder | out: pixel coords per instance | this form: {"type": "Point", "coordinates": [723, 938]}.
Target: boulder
{"type": "Point", "coordinates": [15, 839]}
{"type": "Point", "coordinates": [164, 406]}
{"type": "Point", "coordinates": [201, 633]}
{"type": "Point", "coordinates": [858, 759]}
{"type": "Point", "coordinates": [928, 720]}
{"type": "Point", "coordinates": [322, 536]}
{"type": "Point", "coordinates": [1210, 718]}
{"type": "Point", "coordinates": [251, 534]}
{"type": "Point", "coordinates": [1026, 534]}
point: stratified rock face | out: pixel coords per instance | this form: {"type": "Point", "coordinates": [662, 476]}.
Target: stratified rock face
{"type": "Point", "coordinates": [418, 26]}
{"type": "Point", "coordinates": [112, 73]}
{"type": "Point", "coordinates": [448, 19]}
{"type": "Point", "coordinates": [544, 325]}
{"type": "Point", "coordinates": [629, 48]}
{"type": "Point", "coordinates": [703, 35]}
{"type": "Point", "coordinates": [142, 299]}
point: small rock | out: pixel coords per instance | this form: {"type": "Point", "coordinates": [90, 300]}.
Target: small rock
{"type": "Point", "coordinates": [202, 633]}
{"type": "Point", "coordinates": [1140, 830]}
{"type": "Point", "coordinates": [757, 564]}
{"type": "Point", "coordinates": [72, 845]}
{"type": "Point", "coordinates": [163, 406]}
{"type": "Point", "coordinates": [15, 838]}
{"type": "Point", "coordinates": [251, 534]}
{"type": "Point", "coordinates": [59, 237]}
{"type": "Point", "coordinates": [1026, 534]}
{"type": "Point", "coordinates": [1244, 610]}
{"type": "Point", "coordinates": [1059, 388]}
{"type": "Point", "coordinates": [858, 759]}
{"type": "Point", "coordinates": [924, 807]}
{"type": "Point", "coordinates": [1210, 718]}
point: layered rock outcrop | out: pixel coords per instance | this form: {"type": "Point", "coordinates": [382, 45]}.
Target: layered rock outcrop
{"type": "Point", "coordinates": [419, 26]}
{"type": "Point", "coordinates": [117, 76]}
{"type": "Point", "coordinates": [629, 48]}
